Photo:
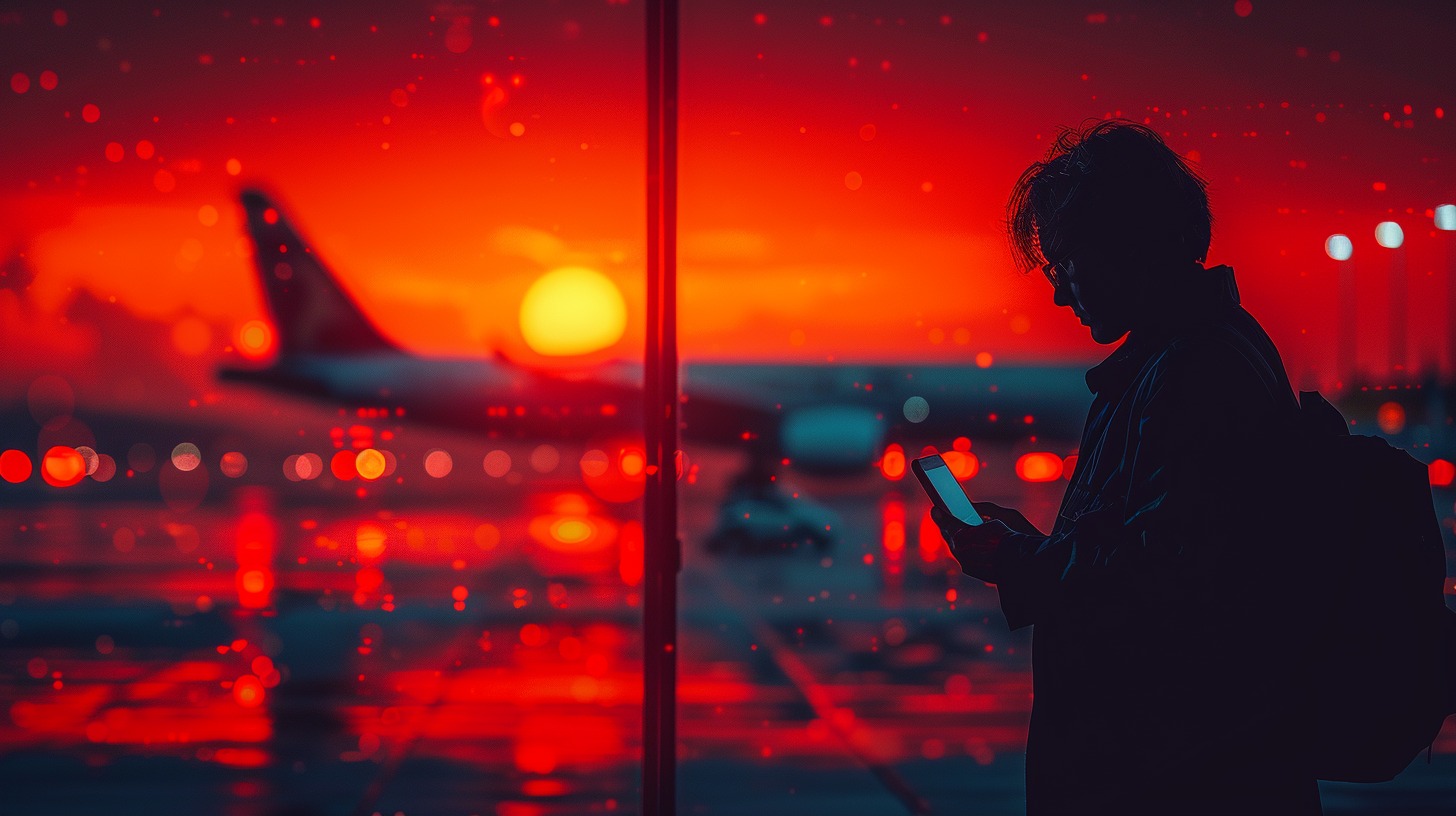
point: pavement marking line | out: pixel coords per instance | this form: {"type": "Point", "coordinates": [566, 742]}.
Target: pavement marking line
{"type": "Point", "coordinates": [857, 739]}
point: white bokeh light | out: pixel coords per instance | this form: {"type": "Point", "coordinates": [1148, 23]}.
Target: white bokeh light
{"type": "Point", "coordinates": [1446, 217]}
{"type": "Point", "coordinates": [1338, 247]}
{"type": "Point", "coordinates": [1389, 235]}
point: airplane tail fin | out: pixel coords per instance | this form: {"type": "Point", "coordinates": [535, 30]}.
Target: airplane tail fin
{"type": "Point", "coordinates": [311, 313]}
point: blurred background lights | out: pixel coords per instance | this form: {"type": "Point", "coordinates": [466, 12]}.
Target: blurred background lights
{"type": "Point", "coordinates": [62, 467]}
{"type": "Point", "coordinates": [370, 464]}
{"type": "Point", "coordinates": [594, 463]}
{"type": "Point", "coordinates": [15, 466]}
{"type": "Point", "coordinates": [255, 339]}
{"type": "Point", "coordinates": [497, 463]}
{"type": "Point", "coordinates": [1389, 235]}
{"type": "Point", "coordinates": [1339, 247]}
{"type": "Point", "coordinates": [186, 457]}
{"type": "Point", "coordinates": [90, 457]}
{"type": "Point", "coordinates": [916, 409]}
{"type": "Point", "coordinates": [1446, 217]}
{"type": "Point", "coordinates": [438, 463]}
{"type": "Point", "coordinates": [572, 310]}
{"type": "Point", "coordinates": [545, 458]}
{"type": "Point", "coordinates": [1391, 418]}
{"type": "Point", "coordinates": [1039, 467]}
{"type": "Point", "coordinates": [233, 464]}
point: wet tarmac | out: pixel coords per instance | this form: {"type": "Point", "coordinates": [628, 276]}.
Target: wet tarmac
{"type": "Point", "coordinates": [439, 645]}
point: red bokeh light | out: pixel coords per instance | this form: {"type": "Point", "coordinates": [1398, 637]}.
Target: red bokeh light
{"type": "Point", "coordinates": [63, 466]}
{"type": "Point", "coordinates": [15, 466]}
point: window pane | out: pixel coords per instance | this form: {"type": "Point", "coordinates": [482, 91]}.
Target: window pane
{"type": "Point", "coordinates": [321, 407]}
{"type": "Point", "coordinates": [848, 302]}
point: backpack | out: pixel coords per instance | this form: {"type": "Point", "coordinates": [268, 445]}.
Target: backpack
{"type": "Point", "coordinates": [1379, 665]}
{"type": "Point", "coordinates": [1381, 670]}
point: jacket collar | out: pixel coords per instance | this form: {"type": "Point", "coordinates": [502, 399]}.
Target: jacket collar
{"type": "Point", "coordinates": [1200, 294]}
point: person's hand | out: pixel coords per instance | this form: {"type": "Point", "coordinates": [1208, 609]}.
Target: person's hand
{"type": "Point", "coordinates": [1006, 515]}
{"type": "Point", "coordinates": [973, 545]}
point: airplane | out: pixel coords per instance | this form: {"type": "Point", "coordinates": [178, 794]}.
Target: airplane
{"type": "Point", "coordinates": [823, 418]}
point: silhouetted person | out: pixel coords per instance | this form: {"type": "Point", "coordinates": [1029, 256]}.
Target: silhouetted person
{"type": "Point", "coordinates": [1164, 608]}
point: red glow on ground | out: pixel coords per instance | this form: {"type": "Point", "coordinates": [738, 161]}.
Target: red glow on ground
{"type": "Point", "coordinates": [1039, 466]}
{"type": "Point", "coordinates": [62, 466]}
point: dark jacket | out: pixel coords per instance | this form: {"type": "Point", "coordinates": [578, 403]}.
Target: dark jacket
{"type": "Point", "coordinates": [1161, 657]}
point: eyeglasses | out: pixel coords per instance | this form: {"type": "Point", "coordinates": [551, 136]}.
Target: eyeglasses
{"type": "Point", "coordinates": [1057, 273]}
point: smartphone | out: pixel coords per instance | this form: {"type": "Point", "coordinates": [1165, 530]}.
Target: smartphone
{"type": "Point", "coordinates": [945, 492]}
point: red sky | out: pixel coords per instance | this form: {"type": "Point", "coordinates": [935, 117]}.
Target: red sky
{"type": "Point", "coordinates": [1297, 114]}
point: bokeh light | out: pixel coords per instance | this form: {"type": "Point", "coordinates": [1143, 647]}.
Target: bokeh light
{"type": "Point", "coordinates": [1390, 417]}
{"type": "Point", "coordinates": [1389, 235]}
{"type": "Point", "coordinates": [255, 339]}
{"type": "Point", "coordinates": [1039, 466]}
{"type": "Point", "coordinates": [62, 466]}
{"type": "Point", "coordinates": [1339, 247]}
{"type": "Point", "coordinates": [370, 464]}
{"type": "Point", "coordinates": [186, 457]}
{"type": "Point", "coordinates": [233, 464]}
{"type": "Point", "coordinates": [1445, 217]}
{"type": "Point", "coordinates": [438, 463]}
{"type": "Point", "coordinates": [497, 463]}
{"type": "Point", "coordinates": [15, 466]}
{"type": "Point", "coordinates": [916, 409]}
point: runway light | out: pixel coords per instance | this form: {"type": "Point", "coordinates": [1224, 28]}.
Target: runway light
{"type": "Point", "coordinates": [1389, 235]}
{"type": "Point", "coordinates": [1339, 247]}
{"type": "Point", "coordinates": [1446, 217]}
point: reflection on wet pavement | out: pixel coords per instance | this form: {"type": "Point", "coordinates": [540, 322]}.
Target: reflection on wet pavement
{"type": "Point", "coordinates": [270, 652]}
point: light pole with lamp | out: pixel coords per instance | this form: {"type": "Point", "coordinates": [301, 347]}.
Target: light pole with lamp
{"type": "Point", "coordinates": [1389, 235]}
{"type": "Point", "coordinates": [1339, 248]}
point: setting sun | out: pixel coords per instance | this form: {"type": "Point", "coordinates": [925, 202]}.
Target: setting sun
{"type": "Point", "coordinates": [573, 310]}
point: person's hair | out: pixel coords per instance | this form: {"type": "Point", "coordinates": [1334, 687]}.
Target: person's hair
{"type": "Point", "coordinates": [1114, 185]}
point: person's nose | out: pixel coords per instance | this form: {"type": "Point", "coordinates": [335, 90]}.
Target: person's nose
{"type": "Point", "coordinates": [1062, 295]}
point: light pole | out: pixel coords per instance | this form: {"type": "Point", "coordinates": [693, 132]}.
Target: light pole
{"type": "Point", "coordinates": [1339, 248]}
{"type": "Point", "coordinates": [1389, 235]}
{"type": "Point", "coordinates": [1445, 219]}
